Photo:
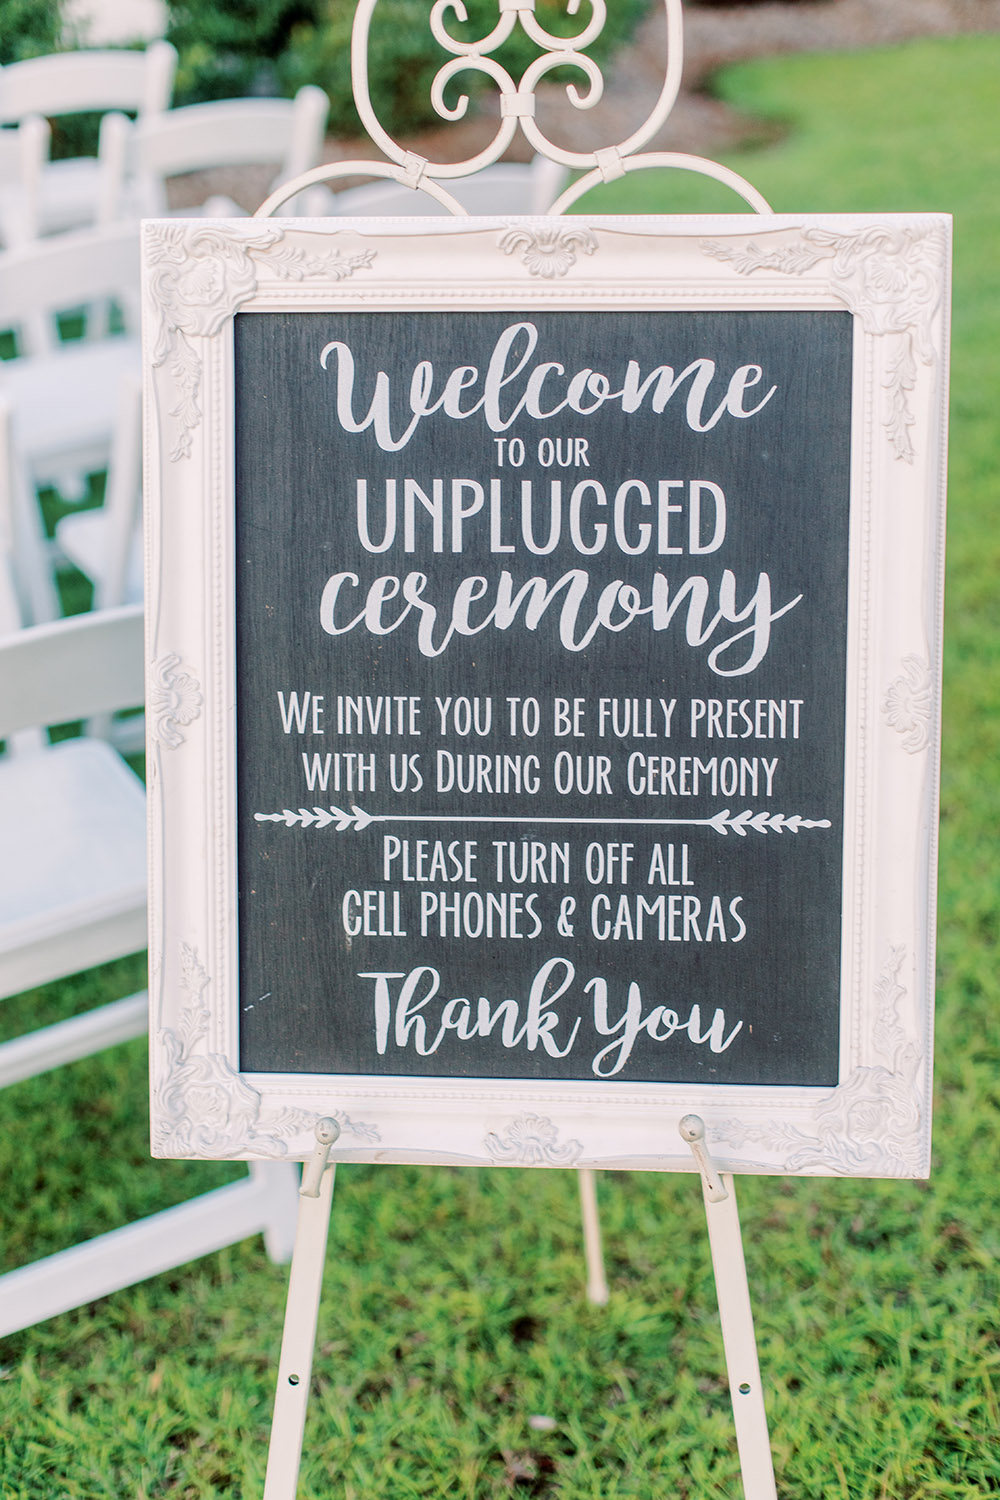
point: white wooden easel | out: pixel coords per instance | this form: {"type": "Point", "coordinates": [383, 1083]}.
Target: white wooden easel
{"type": "Point", "coordinates": [316, 1193]}
{"type": "Point", "coordinates": [306, 1282]}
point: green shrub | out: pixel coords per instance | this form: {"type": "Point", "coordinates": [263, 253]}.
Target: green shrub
{"type": "Point", "coordinates": [246, 46]}
{"type": "Point", "coordinates": [29, 28]}
{"type": "Point", "coordinates": [232, 48]}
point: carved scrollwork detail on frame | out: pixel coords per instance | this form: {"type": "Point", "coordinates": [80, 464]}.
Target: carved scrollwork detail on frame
{"type": "Point", "coordinates": [204, 1108]}
{"type": "Point", "coordinates": [200, 276]}
{"type": "Point", "coordinates": [908, 703]}
{"type": "Point", "coordinates": [889, 278]}
{"type": "Point", "coordinates": [870, 1124]}
{"type": "Point", "coordinates": [532, 1141]}
{"type": "Point", "coordinates": [548, 252]}
{"type": "Point", "coordinates": [176, 700]}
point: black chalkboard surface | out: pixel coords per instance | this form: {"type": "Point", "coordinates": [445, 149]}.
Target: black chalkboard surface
{"type": "Point", "coordinates": [541, 629]}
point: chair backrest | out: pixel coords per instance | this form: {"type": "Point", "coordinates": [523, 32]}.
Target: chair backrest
{"type": "Point", "coordinates": [24, 151]}
{"type": "Point", "coordinates": [27, 589]}
{"type": "Point", "coordinates": [224, 133]}
{"type": "Point", "coordinates": [505, 188]}
{"type": "Point", "coordinates": [66, 83]}
{"type": "Point", "coordinates": [122, 510]}
{"type": "Point", "coordinates": [70, 271]}
{"type": "Point", "coordinates": [11, 612]}
{"type": "Point", "coordinates": [71, 669]}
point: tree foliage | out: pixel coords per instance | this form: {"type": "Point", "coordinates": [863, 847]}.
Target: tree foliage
{"type": "Point", "coordinates": [29, 28]}
{"type": "Point", "coordinates": [238, 47]}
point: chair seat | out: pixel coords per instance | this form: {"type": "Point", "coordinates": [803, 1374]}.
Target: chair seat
{"type": "Point", "coordinates": [64, 404]}
{"type": "Point", "coordinates": [74, 859]}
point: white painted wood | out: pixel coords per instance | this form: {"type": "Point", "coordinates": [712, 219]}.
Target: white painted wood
{"type": "Point", "coordinates": [597, 1281]}
{"type": "Point", "coordinates": [73, 877]}
{"type": "Point", "coordinates": [891, 273]}
{"type": "Point", "coordinates": [222, 133]}
{"type": "Point", "coordinates": [65, 396]}
{"type": "Point", "coordinates": [27, 586]}
{"type": "Point", "coordinates": [73, 895]}
{"type": "Point", "coordinates": [736, 1316]}
{"type": "Point", "coordinates": [105, 543]}
{"type": "Point", "coordinates": [67, 1041]}
{"type": "Point", "coordinates": [298, 1340]}
{"type": "Point", "coordinates": [24, 150]}
{"type": "Point", "coordinates": [68, 191]}
{"type": "Point", "coordinates": [82, 665]}
{"type": "Point", "coordinates": [122, 1257]}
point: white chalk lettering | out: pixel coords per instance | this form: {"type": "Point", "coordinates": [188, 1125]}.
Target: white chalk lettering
{"type": "Point", "coordinates": [513, 385]}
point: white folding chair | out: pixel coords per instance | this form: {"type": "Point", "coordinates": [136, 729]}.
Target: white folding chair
{"type": "Point", "coordinates": [201, 137]}
{"type": "Point", "coordinates": [67, 192]}
{"type": "Point", "coordinates": [505, 188]}
{"type": "Point", "coordinates": [73, 895]}
{"type": "Point", "coordinates": [64, 394]}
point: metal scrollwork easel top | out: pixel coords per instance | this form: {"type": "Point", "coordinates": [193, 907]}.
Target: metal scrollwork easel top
{"type": "Point", "coordinates": [517, 109]}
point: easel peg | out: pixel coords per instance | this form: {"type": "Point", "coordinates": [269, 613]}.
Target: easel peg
{"type": "Point", "coordinates": [327, 1134]}
{"type": "Point", "coordinates": [692, 1129]}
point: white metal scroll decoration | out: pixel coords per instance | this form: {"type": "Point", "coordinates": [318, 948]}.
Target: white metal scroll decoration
{"type": "Point", "coordinates": [517, 108]}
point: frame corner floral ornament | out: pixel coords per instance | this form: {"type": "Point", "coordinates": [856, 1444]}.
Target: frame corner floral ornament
{"type": "Point", "coordinates": [889, 277]}
{"type": "Point", "coordinates": [871, 1124]}
{"type": "Point", "coordinates": [200, 275]}
{"type": "Point", "coordinates": [204, 1108]}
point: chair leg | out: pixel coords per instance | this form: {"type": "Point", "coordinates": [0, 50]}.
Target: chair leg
{"type": "Point", "coordinates": [67, 1041]}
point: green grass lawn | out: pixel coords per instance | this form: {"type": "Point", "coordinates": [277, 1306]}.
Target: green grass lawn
{"type": "Point", "coordinates": [453, 1307]}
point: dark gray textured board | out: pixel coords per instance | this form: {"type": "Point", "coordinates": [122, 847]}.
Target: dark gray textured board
{"type": "Point", "coordinates": [541, 763]}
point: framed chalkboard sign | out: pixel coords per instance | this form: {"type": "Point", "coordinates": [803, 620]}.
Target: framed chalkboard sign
{"type": "Point", "coordinates": [544, 639]}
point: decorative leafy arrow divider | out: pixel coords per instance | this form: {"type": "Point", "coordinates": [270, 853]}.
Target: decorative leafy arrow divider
{"type": "Point", "coordinates": [722, 822]}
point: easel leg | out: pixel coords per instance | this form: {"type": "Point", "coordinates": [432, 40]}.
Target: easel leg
{"type": "Point", "coordinates": [597, 1281]}
{"type": "Point", "coordinates": [305, 1285]}
{"type": "Point", "coordinates": [736, 1317]}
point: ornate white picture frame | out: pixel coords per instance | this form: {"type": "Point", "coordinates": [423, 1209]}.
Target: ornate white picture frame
{"type": "Point", "coordinates": [891, 274]}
